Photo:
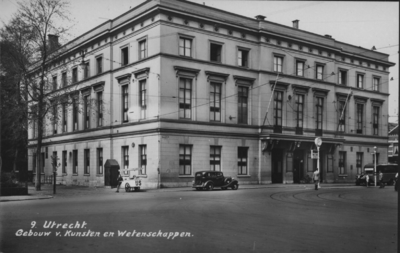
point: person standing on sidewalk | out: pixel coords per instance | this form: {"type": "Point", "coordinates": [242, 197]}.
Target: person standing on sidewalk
{"type": "Point", "coordinates": [381, 183]}
{"type": "Point", "coordinates": [119, 179]}
{"type": "Point", "coordinates": [367, 180]}
{"type": "Point", "coordinates": [315, 178]}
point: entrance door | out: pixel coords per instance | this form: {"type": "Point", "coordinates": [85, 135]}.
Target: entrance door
{"type": "Point", "coordinates": [277, 166]}
{"type": "Point", "coordinates": [298, 162]}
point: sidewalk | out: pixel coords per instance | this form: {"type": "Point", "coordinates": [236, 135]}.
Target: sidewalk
{"type": "Point", "coordinates": [74, 190]}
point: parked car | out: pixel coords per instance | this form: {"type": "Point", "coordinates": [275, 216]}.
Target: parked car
{"type": "Point", "coordinates": [368, 170]}
{"type": "Point", "coordinates": [388, 170]}
{"type": "Point", "coordinates": [208, 180]}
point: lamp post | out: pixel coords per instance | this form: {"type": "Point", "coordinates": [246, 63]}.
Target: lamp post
{"type": "Point", "coordinates": [375, 165]}
{"type": "Point", "coordinates": [318, 143]}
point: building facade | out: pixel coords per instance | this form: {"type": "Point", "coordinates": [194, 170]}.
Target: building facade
{"type": "Point", "coordinates": [174, 87]}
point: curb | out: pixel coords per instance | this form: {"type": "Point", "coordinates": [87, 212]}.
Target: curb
{"type": "Point", "coordinates": [22, 198]}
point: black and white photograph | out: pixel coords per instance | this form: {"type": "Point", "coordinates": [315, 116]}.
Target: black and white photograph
{"type": "Point", "coordinates": [199, 126]}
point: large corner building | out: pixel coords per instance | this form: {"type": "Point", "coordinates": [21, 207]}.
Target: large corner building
{"type": "Point", "coordinates": [181, 87]}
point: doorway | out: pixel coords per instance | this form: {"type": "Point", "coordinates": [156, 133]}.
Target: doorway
{"type": "Point", "coordinates": [298, 165]}
{"type": "Point", "coordinates": [277, 166]}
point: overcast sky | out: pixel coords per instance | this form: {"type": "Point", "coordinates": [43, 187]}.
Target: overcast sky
{"type": "Point", "coordinates": [364, 24]}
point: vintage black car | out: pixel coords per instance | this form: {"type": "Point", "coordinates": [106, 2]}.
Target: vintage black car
{"type": "Point", "coordinates": [208, 180]}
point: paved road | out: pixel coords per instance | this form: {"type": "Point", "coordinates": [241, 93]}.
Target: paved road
{"type": "Point", "coordinates": [281, 219]}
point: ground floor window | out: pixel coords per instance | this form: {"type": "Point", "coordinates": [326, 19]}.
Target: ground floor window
{"type": "Point", "coordinates": [125, 158]}
{"type": "Point", "coordinates": [342, 162]}
{"type": "Point", "coordinates": [242, 160]}
{"type": "Point", "coordinates": [185, 159]}
{"type": "Point", "coordinates": [100, 161]}
{"type": "Point", "coordinates": [75, 161]}
{"type": "Point", "coordinates": [64, 162]}
{"type": "Point", "coordinates": [143, 159]}
{"type": "Point", "coordinates": [215, 158]}
{"type": "Point", "coordinates": [359, 162]}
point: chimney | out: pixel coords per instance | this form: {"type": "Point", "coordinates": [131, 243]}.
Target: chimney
{"type": "Point", "coordinates": [328, 36]}
{"type": "Point", "coordinates": [260, 17]}
{"type": "Point", "coordinates": [296, 24]}
{"type": "Point", "coordinates": [52, 41]}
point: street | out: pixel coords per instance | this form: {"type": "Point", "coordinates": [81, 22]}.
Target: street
{"type": "Point", "coordinates": [277, 218]}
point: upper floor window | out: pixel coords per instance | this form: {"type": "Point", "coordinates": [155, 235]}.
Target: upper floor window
{"type": "Point", "coordinates": [86, 111]}
{"type": "Point", "coordinates": [99, 64]}
{"type": "Point", "coordinates": [375, 120]}
{"type": "Point", "coordinates": [86, 70]}
{"type": "Point", "coordinates": [342, 77]}
{"type": "Point", "coordinates": [360, 118]}
{"type": "Point", "coordinates": [278, 101]}
{"type": "Point", "coordinates": [319, 72]}
{"type": "Point", "coordinates": [278, 63]}
{"type": "Point", "coordinates": [243, 57]}
{"type": "Point", "coordinates": [375, 84]}
{"type": "Point", "coordinates": [215, 52]}
{"type": "Point", "coordinates": [74, 114]}
{"type": "Point", "coordinates": [55, 119]}
{"type": "Point", "coordinates": [55, 83]}
{"type": "Point", "coordinates": [125, 105]}
{"type": "Point", "coordinates": [300, 68]}
{"type": "Point", "coordinates": [215, 101]}
{"type": "Point", "coordinates": [185, 47]}
{"type": "Point", "coordinates": [185, 98]}
{"type": "Point", "coordinates": [142, 49]}
{"type": "Point", "coordinates": [215, 158]}
{"type": "Point", "coordinates": [64, 117]}
{"type": "Point", "coordinates": [360, 81]}
{"type": "Point", "coordinates": [243, 96]}
{"type": "Point", "coordinates": [124, 56]}
{"type": "Point", "coordinates": [299, 110]}
{"type": "Point", "coordinates": [64, 79]}
{"type": "Point", "coordinates": [319, 112]}
{"type": "Point", "coordinates": [99, 109]}
{"type": "Point", "coordinates": [341, 116]}
{"type": "Point", "coordinates": [142, 98]}
{"type": "Point", "coordinates": [74, 75]}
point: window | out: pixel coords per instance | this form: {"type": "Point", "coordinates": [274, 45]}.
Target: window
{"type": "Point", "coordinates": [360, 118]}
{"type": "Point", "coordinates": [142, 49]}
{"type": "Point", "coordinates": [99, 109]}
{"type": "Point", "coordinates": [215, 101]}
{"type": "Point", "coordinates": [99, 161]}
{"type": "Point", "coordinates": [124, 56]}
{"type": "Point", "coordinates": [242, 160]}
{"type": "Point", "coordinates": [342, 77]}
{"type": "Point", "coordinates": [54, 82]}
{"type": "Point", "coordinates": [64, 162]}
{"type": "Point", "coordinates": [375, 84]}
{"type": "Point", "coordinates": [278, 95]}
{"type": "Point", "coordinates": [64, 117]}
{"type": "Point", "coordinates": [215, 52]}
{"type": "Point", "coordinates": [125, 104]}
{"type": "Point", "coordinates": [185, 98]}
{"type": "Point", "coordinates": [143, 159]}
{"type": "Point", "coordinates": [299, 112]}
{"type": "Point", "coordinates": [341, 116]}
{"type": "Point", "coordinates": [75, 114]}
{"type": "Point", "coordinates": [86, 112]}
{"type": "Point", "coordinates": [342, 163]}
{"type": "Point", "coordinates": [99, 65]}
{"type": "Point", "coordinates": [64, 79]}
{"type": "Point", "coordinates": [142, 98]}
{"type": "Point", "coordinates": [278, 62]}
{"type": "Point", "coordinates": [243, 95]}
{"type": "Point", "coordinates": [300, 68]}
{"type": "Point", "coordinates": [375, 119]}
{"type": "Point", "coordinates": [75, 161]}
{"type": "Point", "coordinates": [243, 57]}
{"type": "Point", "coordinates": [215, 158]}
{"type": "Point", "coordinates": [86, 70]}
{"type": "Point", "coordinates": [74, 75]}
{"type": "Point", "coordinates": [319, 72]}
{"type": "Point", "coordinates": [185, 47]}
{"type": "Point", "coordinates": [125, 158]}
{"type": "Point", "coordinates": [185, 160]}
{"type": "Point", "coordinates": [87, 161]}
{"type": "Point", "coordinates": [319, 113]}
{"type": "Point", "coordinates": [55, 119]}
{"type": "Point", "coordinates": [360, 81]}
{"type": "Point", "coordinates": [359, 162]}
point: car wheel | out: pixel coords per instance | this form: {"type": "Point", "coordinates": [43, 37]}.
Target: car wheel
{"type": "Point", "coordinates": [127, 187]}
{"type": "Point", "coordinates": [210, 186]}
{"type": "Point", "coordinates": [235, 187]}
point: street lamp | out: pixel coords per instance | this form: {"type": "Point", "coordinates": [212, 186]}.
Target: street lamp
{"type": "Point", "coordinates": [375, 165]}
{"type": "Point", "coordinates": [318, 143]}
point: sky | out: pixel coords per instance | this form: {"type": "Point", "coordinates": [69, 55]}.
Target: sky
{"type": "Point", "coordinates": [359, 23]}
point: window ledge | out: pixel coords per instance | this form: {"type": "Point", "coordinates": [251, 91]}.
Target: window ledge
{"type": "Point", "coordinates": [99, 175]}
{"type": "Point", "coordinates": [64, 174]}
{"type": "Point", "coordinates": [86, 174]}
{"type": "Point", "coordinates": [75, 174]}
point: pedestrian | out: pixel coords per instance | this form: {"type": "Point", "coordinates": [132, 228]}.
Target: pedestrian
{"type": "Point", "coordinates": [367, 180]}
{"type": "Point", "coordinates": [396, 182]}
{"type": "Point", "coordinates": [315, 178]}
{"type": "Point", "coordinates": [119, 179]}
{"type": "Point", "coordinates": [381, 183]}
